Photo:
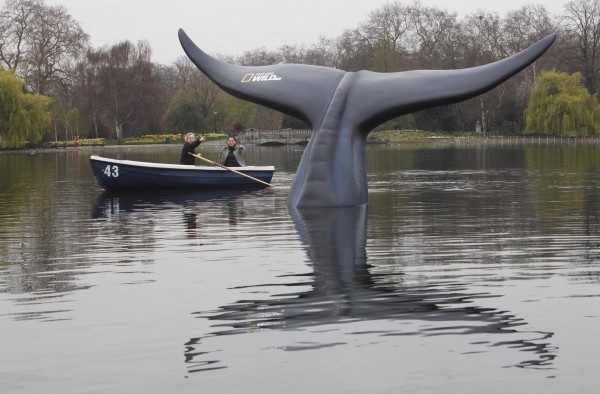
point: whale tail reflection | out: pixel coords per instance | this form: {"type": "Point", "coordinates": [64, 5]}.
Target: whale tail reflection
{"type": "Point", "coordinates": [344, 289]}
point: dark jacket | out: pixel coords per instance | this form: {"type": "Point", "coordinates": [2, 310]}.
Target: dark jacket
{"type": "Point", "coordinates": [189, 148]}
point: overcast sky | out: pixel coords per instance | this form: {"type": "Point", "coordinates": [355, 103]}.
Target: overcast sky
{"type": "Point", "coordinates": [230, 27]}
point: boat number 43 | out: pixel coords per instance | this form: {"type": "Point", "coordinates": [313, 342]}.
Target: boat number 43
{"type": "Point", "coordinates": [111, 171]}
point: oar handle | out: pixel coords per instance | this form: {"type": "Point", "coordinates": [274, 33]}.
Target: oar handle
{"type": "Point", "coordinates": [228, 168]}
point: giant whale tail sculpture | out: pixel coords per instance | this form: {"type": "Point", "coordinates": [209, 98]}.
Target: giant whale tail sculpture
{"type": "Point", "coordinates": [343, 107]}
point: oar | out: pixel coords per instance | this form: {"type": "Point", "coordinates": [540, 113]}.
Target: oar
{"type": "Point", "coordinates": [229, 169]}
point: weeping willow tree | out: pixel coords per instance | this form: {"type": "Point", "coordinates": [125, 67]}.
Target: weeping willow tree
{"type": "Point", "coordinates": [22, 115]}
{"type": "Point", "coordinates": [560, 105]}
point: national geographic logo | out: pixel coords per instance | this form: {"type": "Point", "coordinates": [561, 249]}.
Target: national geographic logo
{"type": "Point", "coordinates": [260, 77]}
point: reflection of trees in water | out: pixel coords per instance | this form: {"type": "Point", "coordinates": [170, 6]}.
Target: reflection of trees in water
{"type": "Point", "coordinates": [60, 245]}
{"type": "Point", "coordinates": [36, 252]}
{"type": "Point", "coordinates": [547, 210]}
{"type": "Point", "coordinates": [34, 234]}
{"type": "Point", "coordinates": [345, 289]}
{"type": "Point", "coordinates": [565, 191]}
{"type": "Point", "coordinates": [592, 232]}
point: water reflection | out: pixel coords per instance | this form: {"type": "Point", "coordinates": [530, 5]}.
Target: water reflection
{"type": "Point", "coordinates": [234, 212]}
{"type": "Point", "coordinates": [160, 207]}
{"type": "Point", "coordinates": [450, 233]}
{"type": "Point", "coordinates": [111, 203]}
{"type": "Point", "coordinates": [190, 220]}
{"type": "Point", "coordinates": [346, 288]}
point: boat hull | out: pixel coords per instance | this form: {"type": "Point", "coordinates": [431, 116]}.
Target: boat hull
{"type": "Point", "coordinates": [114, 174]}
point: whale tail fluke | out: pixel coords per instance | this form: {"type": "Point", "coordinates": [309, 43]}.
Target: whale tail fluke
{"type": "Point", "coordinates": [299, 90]}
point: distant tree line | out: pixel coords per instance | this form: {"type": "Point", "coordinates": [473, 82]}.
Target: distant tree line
{"type": "Point", "coordinates": [118, 92]}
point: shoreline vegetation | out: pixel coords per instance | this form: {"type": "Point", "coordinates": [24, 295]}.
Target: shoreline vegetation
{"type": "Point", "coordinates": [375, 137]}
{"type": "Point", "coordinates": [148, 139]}
{"type": "Point", "coordinates": [465, 138]}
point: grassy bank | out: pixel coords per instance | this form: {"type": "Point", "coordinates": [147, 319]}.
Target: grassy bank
{"type": "Point", "coordinates": [428, 137]}
{"type": "Point", "coordinates": [418, 136]}
{"type": "Point", "coordinates": [148, 139]}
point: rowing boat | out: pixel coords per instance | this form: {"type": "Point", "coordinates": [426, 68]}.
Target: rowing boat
{"type": "Point", "coordinates": [114, 174]}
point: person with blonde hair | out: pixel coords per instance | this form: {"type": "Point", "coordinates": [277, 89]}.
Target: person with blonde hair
{"type": "Point", "coordinates": [190, 144]}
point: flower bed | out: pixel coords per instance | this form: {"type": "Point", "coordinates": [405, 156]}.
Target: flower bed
{"type": "Point", "coordinates": [72, 143]}
{"type": "Point", "coordinates": [168, 138]}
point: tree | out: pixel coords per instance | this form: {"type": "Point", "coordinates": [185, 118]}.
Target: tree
{"type": "Point", "coordinates": [73, 122]}
{"type": "Point", "coordinates": [326, 52]}
{"type": "Point", "coordinates": [121, 90]}
{"type": "Point", "coordinates": [183, 113]}
{"type": "Point", "coordinates": [560, 105]}
{"type": "Point", "coordinates": [39, 42]}
{"type": "Point", "coordinates": [206, 94]}
{"type": "Point", "coordinates": [240, 113]}
{"type": "Point", "coordinates": [196, 100]}
{"type": "Point", "coordinates": [59, 41]}
{"type": "Point", "coordinates": [581, 25]}
{"type": "Point", "coordinates": [259, 57]}
{"type": "Point", "coordinates": [356, 51]}
{"type": "Point", "coordinates": [523, 27]}
{"type": "Point", "coordinates": [87, 91]}
{"type": "Point", "coordinates": [386, 29]}
{"type": "Point", "coordinates": [15, 18]}
{"type": "Point", "coordinates": [487, 37]}
{"type": "Point", "coordinates": [22, 115]}
{"type": "Point", "coordinates": [267, 118]}
{"type": "Point", "coordinates": [436, 34]}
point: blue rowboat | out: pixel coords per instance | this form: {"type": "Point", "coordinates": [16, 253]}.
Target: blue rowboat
{"type": "Point", "coordinates": [114, 174]}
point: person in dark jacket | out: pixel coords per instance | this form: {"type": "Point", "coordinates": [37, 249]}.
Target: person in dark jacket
{"type": "Point", "coordinates": [190, 144]}
{"type": "Point", "coordinates": [231, 155]}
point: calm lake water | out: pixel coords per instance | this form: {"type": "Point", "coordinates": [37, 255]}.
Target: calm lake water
{"type": "Point", "coordinates": [472, 270]}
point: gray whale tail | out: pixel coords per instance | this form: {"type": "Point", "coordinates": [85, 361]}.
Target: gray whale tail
{"type": "Point", "coordinates": [343, 107]}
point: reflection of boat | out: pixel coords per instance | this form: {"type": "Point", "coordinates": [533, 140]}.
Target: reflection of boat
{"type": "Point", "coordinates": [114, 174]}
{"type": "Point", "coordinates": [110, 203]}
